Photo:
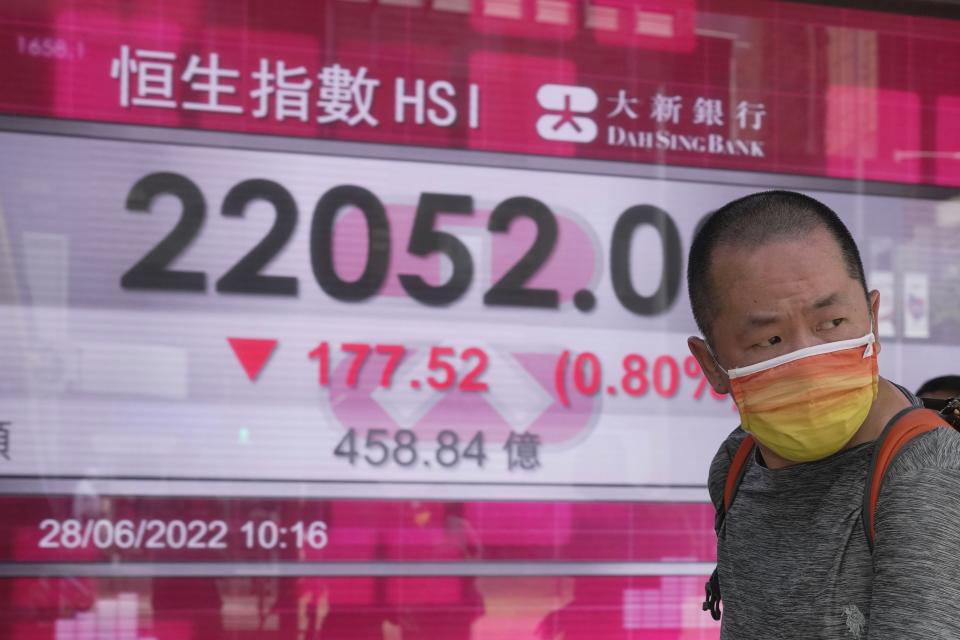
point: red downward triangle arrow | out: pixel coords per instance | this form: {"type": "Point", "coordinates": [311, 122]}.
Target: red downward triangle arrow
{"type": "Point", "coordinates": [252, 353]}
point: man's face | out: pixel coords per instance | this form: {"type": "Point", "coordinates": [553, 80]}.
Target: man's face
{"type": "Point", "coordinates": [778, 298]}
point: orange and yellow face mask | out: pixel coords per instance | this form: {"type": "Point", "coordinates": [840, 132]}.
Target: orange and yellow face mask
{"type": "Point", "coordinates": [808, 404]}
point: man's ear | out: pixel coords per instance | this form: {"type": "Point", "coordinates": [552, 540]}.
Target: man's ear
{"type": "Point", "coordinates": [715, 376]}
{"type": "Point", "coordinates": [874, 297]}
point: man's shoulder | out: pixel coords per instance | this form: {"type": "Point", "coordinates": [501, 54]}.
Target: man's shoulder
{"type": "Point", "coordinates": [937, 450]}
{"type": "Point", "coordinates": [921, 488]}
{"type": "Point", "coordinates": [721, 465]}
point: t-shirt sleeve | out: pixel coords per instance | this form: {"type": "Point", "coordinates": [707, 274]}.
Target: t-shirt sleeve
{"type": "Point", "coordinates": [916, 585]}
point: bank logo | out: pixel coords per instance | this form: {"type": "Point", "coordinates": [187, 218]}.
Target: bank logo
{"type": "Point", "coordinates": [568, 103]}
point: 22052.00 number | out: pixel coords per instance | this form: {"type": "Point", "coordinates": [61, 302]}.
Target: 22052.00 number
{"type": "Point", "coordinates": [153, 271]}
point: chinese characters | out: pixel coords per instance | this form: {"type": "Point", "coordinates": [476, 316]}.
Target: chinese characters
{"type": "Point", "coordinates": [523, 451]}
{"type": "Point", "coordinates": [278, 91]}
{"type": "Point", "coordinates": [668, 109]}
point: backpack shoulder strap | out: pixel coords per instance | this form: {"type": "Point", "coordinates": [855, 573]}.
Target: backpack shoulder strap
{"type": "Point", "coordinates": [738, 467]}
{"type": "Point", "coordinates": [735, 472]}
{"type": "Point", "coordinates": [900, 431]}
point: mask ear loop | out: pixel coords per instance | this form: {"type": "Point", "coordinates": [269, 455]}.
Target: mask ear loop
{"type": "Point", "coordinates": [714, 356]}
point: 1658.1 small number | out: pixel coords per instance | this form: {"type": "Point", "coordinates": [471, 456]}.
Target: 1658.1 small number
{"type": "Point", "coordinates": [379, 450]}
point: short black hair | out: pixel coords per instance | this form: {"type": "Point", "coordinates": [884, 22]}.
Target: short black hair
{"type": "Point", "coordinates": [753, 221]}
{"type": "Point", "coordinates": [950, 384]}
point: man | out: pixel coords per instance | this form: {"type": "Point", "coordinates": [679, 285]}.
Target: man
{"type": "Point", "coordinates": [940, 388]}
{"type": "Point", "coordinates": [778, 291]}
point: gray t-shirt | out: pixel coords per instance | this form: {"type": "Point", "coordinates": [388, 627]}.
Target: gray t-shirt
{"type": "Point", "coordinates": [793, 557]}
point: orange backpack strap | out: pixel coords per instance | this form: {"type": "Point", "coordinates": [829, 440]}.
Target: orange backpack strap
{"type": "Point", "coordinates": [901, 430]}
{"type": "Point", "coordinates": [738, 467]}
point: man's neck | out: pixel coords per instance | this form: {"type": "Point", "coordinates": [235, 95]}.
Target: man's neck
{"type": "Point", "coordinates": [889, 401]}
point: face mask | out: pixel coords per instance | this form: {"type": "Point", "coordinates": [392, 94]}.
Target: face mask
{"type": "Point", "coordinates": [808, 404]}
